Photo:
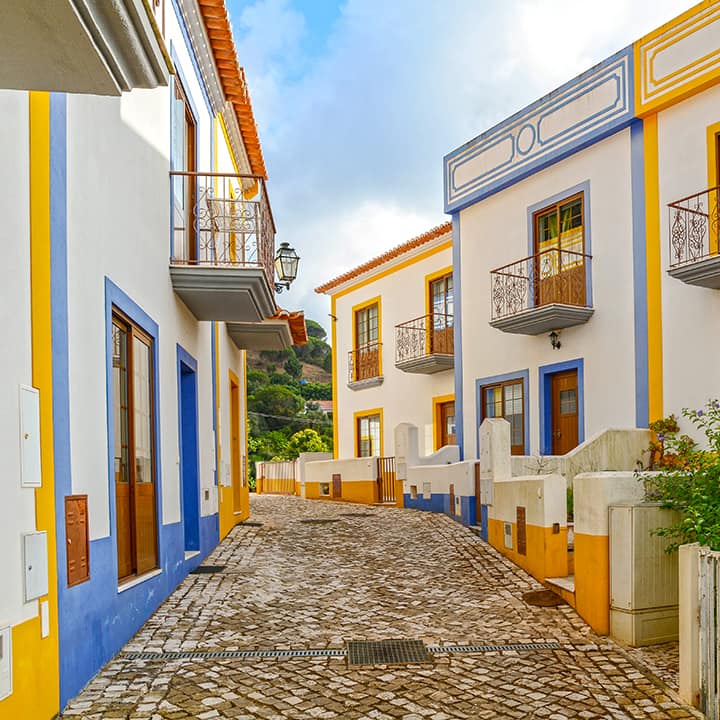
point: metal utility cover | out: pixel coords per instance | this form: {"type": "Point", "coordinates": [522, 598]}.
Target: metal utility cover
{"type": "Point", "coordinates": [387, 652]}
{"type": "Point", "coordinates": [207, 569]}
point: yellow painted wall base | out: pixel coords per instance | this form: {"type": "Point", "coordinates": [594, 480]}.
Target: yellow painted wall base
{"type": "Point", "coordinates": [592, 581]}
{"type": "Point", "coordinates": [399, 497]}
{"type": "Point", "coordinates": [566, 595]}
{"type": "Point", "coordinates": [274, 486]}
{"type": "Point", "coordinates": [228, 518]}
{"type": "Point", "coordinates": [357, 491]}
{"type": "Point", "coordinates": [33, 659]}
{"type": "Point", "coordinates": [546, 551]}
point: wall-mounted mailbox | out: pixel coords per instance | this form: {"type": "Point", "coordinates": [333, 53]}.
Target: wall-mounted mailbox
{"type": "Point", "coordinates": [30, 436]}
{"type": "Point", "coordinates": [35, 558]}
{"type": "Point", "coordinates": [5, 662]}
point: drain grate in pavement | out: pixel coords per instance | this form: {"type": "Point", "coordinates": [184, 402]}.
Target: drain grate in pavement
{"type": "Point", "coordinates": [382, 652]}
{"type": "Point", "coordinates": [387, 652]}
{"type": "Point", "coordinates": [358, 514]}
{"type": "Point", "coordinates": [248, 523]}
{"type": "Point", "coordinates": [207, 569]}
{"type": "Point", "coordinates": [519, 647]}
{"type": "Point", "coordinates": [320, 521]}
{"type": "Point", "coordinates": [219, 654]}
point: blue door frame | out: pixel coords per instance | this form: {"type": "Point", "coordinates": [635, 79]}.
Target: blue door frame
{"type": "Point", "coordinates": [189, 451]}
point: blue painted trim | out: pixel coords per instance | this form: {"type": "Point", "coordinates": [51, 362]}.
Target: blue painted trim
{"type": "Point", "coordinates": [637, 179]}
{"type": "Point", "coordinates": [493, 380]}
{"type": "Point", "coordinates": [583, 134]}
{"type": "Point", "coordinates": [60, 357]}
{"type": "Point", "coordinates": [457, 335]}
{"type": "Point", "coordinates": [188, 444]}
{"type": "Point", "coordinates": [193, 57]}
{"type": "Point", "coordinates": [584, 188]}
{"type": "Point", "coordinates": [214, 358]}
{"type": "Point", "coordinates": [545, 400]}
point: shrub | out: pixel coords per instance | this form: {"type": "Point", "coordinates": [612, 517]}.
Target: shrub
{"type": "Point", "coordinates": [689, 478]}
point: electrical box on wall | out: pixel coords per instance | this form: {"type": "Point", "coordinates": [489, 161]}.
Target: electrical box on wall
{"type": "Point", "coordinates": [30, 436]}
{"type": "Point", "coordinates": [35, 560]}
{"type": "Point", "coordinates": [5, 662]}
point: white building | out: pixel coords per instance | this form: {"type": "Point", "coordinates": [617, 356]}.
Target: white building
{"type": "Point", "coordinates": [140, 266]}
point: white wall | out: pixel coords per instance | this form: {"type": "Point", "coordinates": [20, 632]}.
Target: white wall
{"type": "Point", "coordinates": [691, 315]}
{"type": "Point", "coordinates": [494, 232]}
{"type": "Point", "coordinates": [404, 397]}
{"type": "Point", "coordinates": [17, 504]}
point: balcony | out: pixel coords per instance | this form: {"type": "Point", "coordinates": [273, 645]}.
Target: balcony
{"type": "Point", "coordinates": [364, 367]}
{"type": "Point", "coordinates": [223, 243]}
{"type": "Point", "coordinates": [101, 48]}
{"type": "Point", "coordinates": [546, 291]}
{"type": "Point", "coordinates": [694, 231]}
{"type": "Point", "coordinates": [280, 332]}
{"type": "Point", "coordinates": [425, 345]}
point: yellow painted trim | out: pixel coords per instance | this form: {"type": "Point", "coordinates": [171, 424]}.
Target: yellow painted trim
{"type": "Point", "coordinates": [377, 300]}
{"type": "Point", "coordinates": [333, 349]}
{"type": "Point", "coordinates": [367, 413]}
{"type": "Point", "coordinates": [654, 269]}
{"type": "Point", "coordinates": [436, 402]}
{"type": "Point", "coordinates": [247, 431]}
{"type": "Point", "coordinates": [698, 79]}
{"type": "Point", "coordinates": [228, 144]}
{"type": "Point", "coordinates": [34, 656]}
{"type": "Point", "coordinates": [400, 266]}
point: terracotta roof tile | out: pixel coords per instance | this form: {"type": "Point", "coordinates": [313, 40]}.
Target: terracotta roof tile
{"type": "Point", "coordinates": [296, 322]}
{"type": "Point", "coordinates": [391, 254]}
{"type": "Point", "coordinates": [232, 76]}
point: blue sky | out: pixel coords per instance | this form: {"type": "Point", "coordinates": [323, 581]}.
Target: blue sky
{"type": "Point", "coordinates": [358, 101]}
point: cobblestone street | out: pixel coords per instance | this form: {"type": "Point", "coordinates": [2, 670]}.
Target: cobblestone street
{"type": "Point", "coordinates": [374, 573]}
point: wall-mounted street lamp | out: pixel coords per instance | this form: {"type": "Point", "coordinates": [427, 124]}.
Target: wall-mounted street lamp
{"type": "Point", "coordinates": [555, 340]}
{"type": "Point", "coordinates": [286, 266]}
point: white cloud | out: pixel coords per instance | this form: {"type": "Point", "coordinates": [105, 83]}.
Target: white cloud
{"type": "Point", "coordinates": [354, 136]}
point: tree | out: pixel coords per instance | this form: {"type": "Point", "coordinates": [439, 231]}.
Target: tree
{"type": "Point", "coordinates": [293, 367]}
{"type": "Point", "coordinates": [315, 329]}
{"type": "Point", "coordinates": [274, 403]}
{"type": "Point", "coordinates": [307, 440]}
{"type": "Point", "coordinates": [316, 391]}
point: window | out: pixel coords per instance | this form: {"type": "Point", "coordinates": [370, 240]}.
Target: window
{"type": "Point", "coordinates": [366, 351]}
{"type": "Point", "coordinates": [559, 249]}
{"type": "Point", "coordinates": [183, 159]}
{"type": "Point", "coordinates": [441, 311]}
{"type": "Point", "coordinates": [367, 435]}
{"type": "Point", "coordinates": [507, 400]}
{"type": "Point", "coordinates": [134, 448]}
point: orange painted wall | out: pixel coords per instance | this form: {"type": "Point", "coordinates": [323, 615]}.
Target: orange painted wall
{"type": "Point", "coordinates": [592, 581]}
{"type": "Point", "coordinates": [359, 491]}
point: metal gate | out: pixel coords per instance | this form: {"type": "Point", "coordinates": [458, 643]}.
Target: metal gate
{"type": "Point", "coordinates": [709, 611]}
{"type": "Point", "coordinates": [386, 479]}
{"type": "Point", "coordinates": [278, 477]}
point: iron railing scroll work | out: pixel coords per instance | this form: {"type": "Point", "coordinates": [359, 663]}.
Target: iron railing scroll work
{"type": "Point", "coordinates": [364, 362]}
{"type": "Point", "coordinates": [694, 227]}
{"type": "Point", "coordinates": [551, 276]}
{"type": "Point", "coordinates": [430, 334]}
{"type": "Point", "coordinates": [222, 220]}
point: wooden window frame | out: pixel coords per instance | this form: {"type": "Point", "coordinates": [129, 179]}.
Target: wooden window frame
{"type": "Point", "coordinates": [133, 330]}
{"type": "Point", "coordinates": [556, 206]}
{"type": "Point", "coordinates": [180, 94]}
{"type": "Point", "coordinates": [514, 449]}
{"type": "Point", "coordinates": [357, 348]}
{"type": "Point", "coordinates": [366, 415]}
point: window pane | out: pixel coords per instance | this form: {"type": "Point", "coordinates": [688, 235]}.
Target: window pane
{"type": "Point", "coordinates": [568, 402]}
{"type": "Point", "coordinates": [142, 411]}
{"type": "Point", "coordinates": [374, 434]}
{"type": "Point", "coordinates": [120, 403]}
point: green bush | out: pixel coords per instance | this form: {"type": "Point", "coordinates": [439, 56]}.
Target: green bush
{"type": "Point", "coordinates": [689, 478]}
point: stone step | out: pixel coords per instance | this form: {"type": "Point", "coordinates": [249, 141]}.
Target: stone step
{"type": "Point", "coordinates": [562, 583]}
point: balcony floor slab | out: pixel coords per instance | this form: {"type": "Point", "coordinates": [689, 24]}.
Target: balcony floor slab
{"type": "Point", "coordinates": [225, 294]}
{"type": "Point", "coordinates": [426, 364]}
{"type": "Point", "coordinates": [544, 318]}
{"type": "Point", "coordinates": [265, 335]}
{"type": "Point", "coordinates": [703, 273]}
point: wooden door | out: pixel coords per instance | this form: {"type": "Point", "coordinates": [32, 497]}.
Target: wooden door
{"type": "Point", "coordinates": [446, 413]}
{"type": "Point", "coordinates": [564, 393]}
{"type": "Point", "coordinates": [235, 445]}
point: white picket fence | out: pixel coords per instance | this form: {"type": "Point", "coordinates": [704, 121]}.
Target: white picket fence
{"type": "Point", "coordinates": [709, 641]}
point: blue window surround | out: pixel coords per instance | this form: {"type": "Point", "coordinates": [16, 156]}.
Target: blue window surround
{"type": "Point", "coordinates": [115, 298]}
{"type": "Point", "coordinates": [584, 188]}
{"type": "Point", "coordinates": [523, 375]}
{"type": "Point", "coordinates": [545, 373]}
{"type": "Point", "coordinates": [457, 333]}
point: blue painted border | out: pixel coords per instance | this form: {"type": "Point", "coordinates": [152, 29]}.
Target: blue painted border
{"type": "Point", "coordinates": [586, 136]}
{"type": "Point", "coordinates": [637, 179]}
{"type": "Point", "coordinates": [215, 360]}
{"type": "Point", "coordinates": [545, 400]}
{"type": "Point", "coordinates": [523, 375]}
{"type": "Point", "coordinates": [457, 335]}
{"type": "Point", "coordinates": [184, 358]}
{"type": "Point", "coordinates": [584, 188]}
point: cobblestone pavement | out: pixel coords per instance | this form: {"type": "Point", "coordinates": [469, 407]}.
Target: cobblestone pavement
{"type": "Point", "coordinates": [376, 573]}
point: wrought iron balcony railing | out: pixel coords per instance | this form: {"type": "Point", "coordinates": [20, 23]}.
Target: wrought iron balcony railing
{"type": "Point", "coordinates": [222, 220]}
{"type": "Point", "coordinates": [364, 363]}
{"type": "Point", "coordinates": [552, 276]}
{"type": "Point", "coordinates": [431, 334]}
{"type": "Point", "coordinates": [694, 227]}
